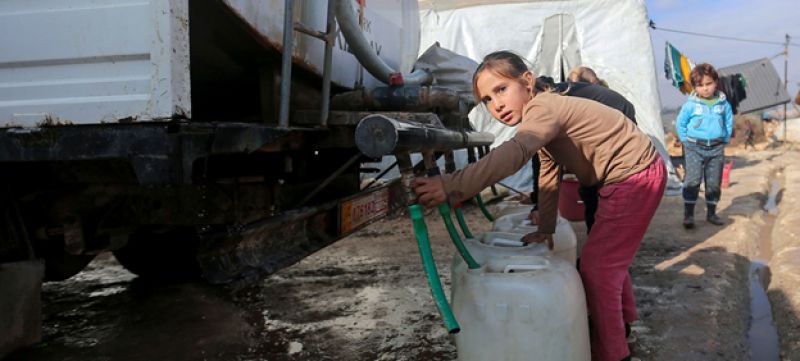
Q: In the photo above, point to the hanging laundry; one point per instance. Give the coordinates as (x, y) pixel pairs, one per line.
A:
(734, 87)
(677, 67)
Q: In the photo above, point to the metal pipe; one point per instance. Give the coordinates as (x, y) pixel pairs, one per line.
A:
(406, 98)
(407, 177)
(330, 37)
(286, 63)
(449, 161)
(785, 85)
(300, 27)
(378, 135)
(360, 47)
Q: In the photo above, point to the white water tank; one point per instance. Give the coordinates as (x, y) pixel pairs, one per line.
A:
(392, 28)
(565, 242)
(521, 308)
(107, 61)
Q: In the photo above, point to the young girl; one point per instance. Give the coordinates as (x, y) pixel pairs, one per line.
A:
(704, 125)
(600, 146)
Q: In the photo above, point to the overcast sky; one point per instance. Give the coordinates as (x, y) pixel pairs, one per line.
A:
(762, 20)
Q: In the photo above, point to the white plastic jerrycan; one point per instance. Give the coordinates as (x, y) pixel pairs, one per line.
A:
(510, 207)
(565, 242)
(495, 244)
(521, 308)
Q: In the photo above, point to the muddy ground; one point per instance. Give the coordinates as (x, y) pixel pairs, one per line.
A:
(366, 298)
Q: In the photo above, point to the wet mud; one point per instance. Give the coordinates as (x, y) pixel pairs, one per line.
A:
(366, 297)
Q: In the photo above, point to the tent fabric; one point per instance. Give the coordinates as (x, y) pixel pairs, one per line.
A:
(448, 69)
(610, 36)
(559, 51)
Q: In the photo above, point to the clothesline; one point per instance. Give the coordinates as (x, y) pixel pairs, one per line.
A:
(653, 26)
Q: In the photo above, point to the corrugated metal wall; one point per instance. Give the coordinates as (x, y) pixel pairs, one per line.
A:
(764, 86)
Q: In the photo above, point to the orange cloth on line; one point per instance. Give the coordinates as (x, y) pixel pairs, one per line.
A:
(686, 69)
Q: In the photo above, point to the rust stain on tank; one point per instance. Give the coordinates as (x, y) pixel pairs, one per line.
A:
(266, 41)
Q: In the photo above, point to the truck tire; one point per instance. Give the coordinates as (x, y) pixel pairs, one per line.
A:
(58, 267)
(58, 264)
(169, 256)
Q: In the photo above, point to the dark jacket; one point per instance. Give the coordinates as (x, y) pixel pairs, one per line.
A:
(599, 94)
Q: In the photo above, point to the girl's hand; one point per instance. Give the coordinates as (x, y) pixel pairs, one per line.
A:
(430, 191)
(537, 237)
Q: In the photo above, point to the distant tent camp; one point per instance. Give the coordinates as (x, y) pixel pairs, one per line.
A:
(610, 36)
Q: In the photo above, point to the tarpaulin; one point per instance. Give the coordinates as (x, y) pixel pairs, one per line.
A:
(610, 36)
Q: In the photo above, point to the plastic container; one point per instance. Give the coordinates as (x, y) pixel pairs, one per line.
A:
(726, 175)
(569, 201)
(521, 308)
(496, 244)
(509, 207)
(565, 242)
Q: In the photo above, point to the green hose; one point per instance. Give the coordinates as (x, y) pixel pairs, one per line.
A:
(483, 208)
(444, 210)
(461, 222)
(421, 233)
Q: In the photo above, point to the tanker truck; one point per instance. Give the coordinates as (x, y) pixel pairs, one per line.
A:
(211, 138)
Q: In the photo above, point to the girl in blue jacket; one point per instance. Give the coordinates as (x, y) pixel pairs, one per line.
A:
(704, 126)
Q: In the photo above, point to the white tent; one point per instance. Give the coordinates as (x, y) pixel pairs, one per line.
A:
(609, 36)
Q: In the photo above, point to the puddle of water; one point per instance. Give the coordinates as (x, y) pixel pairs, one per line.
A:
(772, 201)
(762, 334)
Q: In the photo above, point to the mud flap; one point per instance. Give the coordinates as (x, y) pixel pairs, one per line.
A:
(20, 305)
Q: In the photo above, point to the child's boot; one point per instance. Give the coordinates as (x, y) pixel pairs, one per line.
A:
(688, 215)
(711, 216)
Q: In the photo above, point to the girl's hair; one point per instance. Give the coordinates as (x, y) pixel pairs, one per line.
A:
(547, 84)
(701, 70)
(503, 63)
(585, 75)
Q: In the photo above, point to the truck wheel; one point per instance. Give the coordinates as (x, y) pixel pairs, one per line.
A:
(161, 256)
(59, 265)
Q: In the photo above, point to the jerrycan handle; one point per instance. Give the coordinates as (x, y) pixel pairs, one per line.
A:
(526, 267)
(506, 242)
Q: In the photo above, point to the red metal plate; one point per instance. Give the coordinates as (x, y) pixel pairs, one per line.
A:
(360, 210)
